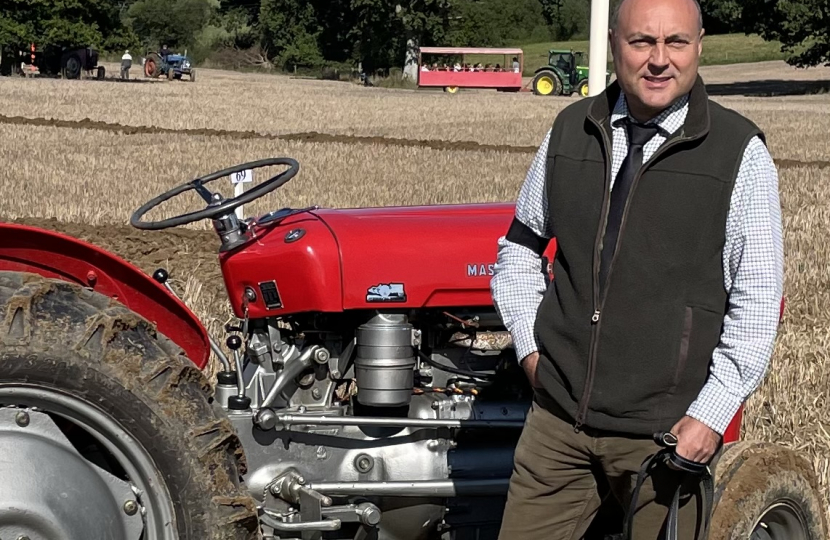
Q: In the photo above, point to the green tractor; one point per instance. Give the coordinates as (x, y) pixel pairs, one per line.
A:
(565, 74)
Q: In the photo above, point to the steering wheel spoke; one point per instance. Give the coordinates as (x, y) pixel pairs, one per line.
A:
(202, 191)
(217, 207)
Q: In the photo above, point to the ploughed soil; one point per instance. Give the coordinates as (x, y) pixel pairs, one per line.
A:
(311, 137)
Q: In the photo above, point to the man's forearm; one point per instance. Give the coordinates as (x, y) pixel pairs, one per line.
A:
(518, 286)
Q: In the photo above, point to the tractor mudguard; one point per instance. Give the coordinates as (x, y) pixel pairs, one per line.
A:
(54, 255)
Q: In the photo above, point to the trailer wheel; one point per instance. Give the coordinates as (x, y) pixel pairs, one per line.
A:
(94, 401)
(766, 492)
(451, 89)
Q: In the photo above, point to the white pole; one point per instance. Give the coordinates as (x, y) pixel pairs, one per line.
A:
(598, 47)
(238, 189)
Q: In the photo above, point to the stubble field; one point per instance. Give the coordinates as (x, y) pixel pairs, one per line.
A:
(81, 156)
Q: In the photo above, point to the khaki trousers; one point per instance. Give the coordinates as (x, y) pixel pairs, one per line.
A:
(560, 478)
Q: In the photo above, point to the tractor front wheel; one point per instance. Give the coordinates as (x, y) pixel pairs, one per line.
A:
(192, 75)
(106, 429)
(547, 83)
(766, 492)
(582, 89)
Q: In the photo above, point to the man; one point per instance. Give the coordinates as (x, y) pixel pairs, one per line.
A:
(664, 304)
(126, 64)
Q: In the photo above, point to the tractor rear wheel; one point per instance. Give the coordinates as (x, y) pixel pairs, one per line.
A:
(547, 83)
(73, 67)
(152, 66)
(106, 429)
(766, 492)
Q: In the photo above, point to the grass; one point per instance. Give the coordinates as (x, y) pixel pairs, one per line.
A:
(720, 49)
(90, 181)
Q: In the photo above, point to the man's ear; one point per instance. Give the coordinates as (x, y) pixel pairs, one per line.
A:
(611, 42)
(700, 42)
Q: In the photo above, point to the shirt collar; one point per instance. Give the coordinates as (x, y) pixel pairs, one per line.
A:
(669, 120)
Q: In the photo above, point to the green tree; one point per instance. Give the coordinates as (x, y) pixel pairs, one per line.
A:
(290, 30)
(172, 22)
(567, 18)
(58, 23)
(802, 27)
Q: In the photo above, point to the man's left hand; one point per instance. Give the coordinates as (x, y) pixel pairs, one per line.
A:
(695, 440)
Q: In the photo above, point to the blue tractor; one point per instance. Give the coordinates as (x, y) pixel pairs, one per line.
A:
(172, 66)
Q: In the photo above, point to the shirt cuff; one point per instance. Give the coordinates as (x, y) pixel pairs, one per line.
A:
(715, 406)
(524, 338)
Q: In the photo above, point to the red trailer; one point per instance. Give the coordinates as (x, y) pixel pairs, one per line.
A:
(452, 68)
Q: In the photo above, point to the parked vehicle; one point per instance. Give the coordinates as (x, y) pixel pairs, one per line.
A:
(453, 68)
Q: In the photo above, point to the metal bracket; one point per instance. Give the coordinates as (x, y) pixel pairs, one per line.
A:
(290, 487)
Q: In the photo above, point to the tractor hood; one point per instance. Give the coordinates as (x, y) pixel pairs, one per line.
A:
(418, 256)
(331, 260)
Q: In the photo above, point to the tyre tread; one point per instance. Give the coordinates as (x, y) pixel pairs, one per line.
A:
(107, 337)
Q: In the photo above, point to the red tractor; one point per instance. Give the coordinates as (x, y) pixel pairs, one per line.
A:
(368, 390)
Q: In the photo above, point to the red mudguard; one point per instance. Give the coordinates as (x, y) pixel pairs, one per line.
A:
(54, 255)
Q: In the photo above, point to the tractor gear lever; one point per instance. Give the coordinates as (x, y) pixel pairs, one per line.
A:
(161, 276)
(234, 343)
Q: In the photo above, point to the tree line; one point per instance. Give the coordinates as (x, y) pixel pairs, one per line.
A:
(375, 34)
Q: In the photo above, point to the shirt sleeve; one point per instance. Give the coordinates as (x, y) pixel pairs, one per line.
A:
(518, 282)
(753, 277)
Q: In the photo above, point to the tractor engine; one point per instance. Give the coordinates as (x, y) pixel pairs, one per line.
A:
(386, 425)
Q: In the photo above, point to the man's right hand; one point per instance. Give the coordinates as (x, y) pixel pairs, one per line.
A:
(529, 365)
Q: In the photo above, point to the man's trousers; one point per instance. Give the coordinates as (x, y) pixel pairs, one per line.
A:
(561, 477)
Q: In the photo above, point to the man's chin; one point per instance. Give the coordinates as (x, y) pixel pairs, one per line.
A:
(658, 100)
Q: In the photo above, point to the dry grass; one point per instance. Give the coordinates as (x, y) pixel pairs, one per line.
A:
(100, 178)
(62, 180)
(267, 103)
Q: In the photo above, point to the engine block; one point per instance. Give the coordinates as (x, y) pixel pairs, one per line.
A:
(364, 435)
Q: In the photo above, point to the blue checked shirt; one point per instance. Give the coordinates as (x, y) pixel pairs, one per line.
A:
(752, 268)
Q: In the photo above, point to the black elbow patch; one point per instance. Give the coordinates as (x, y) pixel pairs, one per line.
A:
(521, 234)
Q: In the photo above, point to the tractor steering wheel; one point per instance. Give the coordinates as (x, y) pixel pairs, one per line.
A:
(217, 206)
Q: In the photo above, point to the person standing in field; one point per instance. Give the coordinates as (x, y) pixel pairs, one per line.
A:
(126, 64)
(667, 282)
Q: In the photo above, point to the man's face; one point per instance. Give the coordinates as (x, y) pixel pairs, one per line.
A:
(656, 48)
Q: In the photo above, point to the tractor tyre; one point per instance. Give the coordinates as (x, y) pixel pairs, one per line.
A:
(192, 75)
(547, 83)
(106, 427)
(582, 89)
(171, 74)
(766, 492)
(101, 73)
(72, 70)
(152, 66)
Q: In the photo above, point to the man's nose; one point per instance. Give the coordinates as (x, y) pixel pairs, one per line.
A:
(659, 58)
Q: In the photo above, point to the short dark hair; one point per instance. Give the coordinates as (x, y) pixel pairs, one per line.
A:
(615, 15)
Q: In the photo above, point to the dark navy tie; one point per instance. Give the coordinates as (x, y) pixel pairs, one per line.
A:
(638, 136)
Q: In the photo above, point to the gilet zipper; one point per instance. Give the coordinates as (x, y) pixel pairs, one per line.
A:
(598, 303)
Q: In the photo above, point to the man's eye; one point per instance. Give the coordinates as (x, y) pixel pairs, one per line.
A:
(678, 44)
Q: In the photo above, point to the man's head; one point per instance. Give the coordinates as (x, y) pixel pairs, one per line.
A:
(656, 46)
